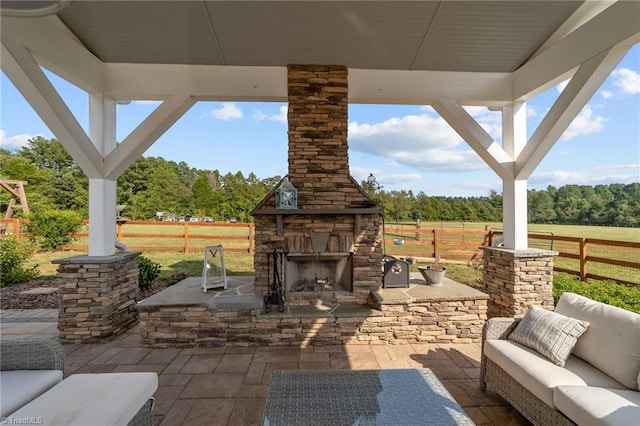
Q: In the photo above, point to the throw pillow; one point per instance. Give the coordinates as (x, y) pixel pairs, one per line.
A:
(550, 334)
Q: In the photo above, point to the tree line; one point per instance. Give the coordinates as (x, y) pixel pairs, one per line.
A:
(153, 184)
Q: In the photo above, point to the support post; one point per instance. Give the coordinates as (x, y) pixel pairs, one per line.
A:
(514, 191)
(517, 279)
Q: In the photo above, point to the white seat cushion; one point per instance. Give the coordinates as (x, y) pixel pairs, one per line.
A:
(18, 387)
(612, 341)
(539, 375)
(598, 406)
(93, 399)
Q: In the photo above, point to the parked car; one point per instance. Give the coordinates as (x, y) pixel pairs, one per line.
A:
(194, 219)
(233, 220)
(208, 219)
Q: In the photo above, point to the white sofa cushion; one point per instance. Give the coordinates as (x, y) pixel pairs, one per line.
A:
(551, 334)
(93, 399)
(598, 406)
(18, 387)
(612, 341)
(539, 375)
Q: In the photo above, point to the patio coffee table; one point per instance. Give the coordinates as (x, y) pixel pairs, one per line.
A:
(360, 397)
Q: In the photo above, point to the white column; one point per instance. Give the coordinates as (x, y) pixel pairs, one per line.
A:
(514, 192)
(102, 192)
(102, 217)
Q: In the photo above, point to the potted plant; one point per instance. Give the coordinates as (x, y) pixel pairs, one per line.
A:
(434, 273)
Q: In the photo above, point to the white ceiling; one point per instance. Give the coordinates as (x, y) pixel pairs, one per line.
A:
(470, 36)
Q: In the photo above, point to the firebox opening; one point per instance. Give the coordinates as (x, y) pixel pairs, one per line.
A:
(315, 272)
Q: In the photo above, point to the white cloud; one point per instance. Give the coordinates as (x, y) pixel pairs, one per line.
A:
(607, 94)
(280, 117)
(259, 115)
(228, 111)
(14, 142)
(561, 86)
(615, 173)
(585, 123)
(421, 142)
(627, 80)
(147, 102)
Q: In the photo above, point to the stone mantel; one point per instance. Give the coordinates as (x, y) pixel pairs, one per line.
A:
(356, 212)
(347, 211)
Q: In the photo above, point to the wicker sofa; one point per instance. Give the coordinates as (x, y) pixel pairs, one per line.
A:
(33, 389)
(598, 384)
(28, 368)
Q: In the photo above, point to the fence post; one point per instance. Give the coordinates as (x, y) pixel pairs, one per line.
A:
(252, 229)
(435, 243)
(119, 230)
(185, 249)
(583, 259)
(16, 228)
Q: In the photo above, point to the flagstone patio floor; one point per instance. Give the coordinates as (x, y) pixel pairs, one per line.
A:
(228, 386)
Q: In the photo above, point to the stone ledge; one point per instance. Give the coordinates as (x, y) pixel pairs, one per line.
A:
(529, 252)
(420, 293)
(81, 259)
(323, 311)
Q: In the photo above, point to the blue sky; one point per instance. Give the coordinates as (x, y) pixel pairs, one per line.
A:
(405, 147)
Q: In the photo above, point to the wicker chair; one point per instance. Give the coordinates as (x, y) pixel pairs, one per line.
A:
(44, 354)
(31, 354)
(494, 378)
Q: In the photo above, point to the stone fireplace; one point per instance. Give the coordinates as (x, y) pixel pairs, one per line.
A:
(332, 241)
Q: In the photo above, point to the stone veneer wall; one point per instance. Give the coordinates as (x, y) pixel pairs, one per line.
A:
(319, 169)
(452, 321)
(98, 296)
(517, 279)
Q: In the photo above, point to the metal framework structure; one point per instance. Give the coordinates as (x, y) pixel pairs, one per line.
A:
(447, 54)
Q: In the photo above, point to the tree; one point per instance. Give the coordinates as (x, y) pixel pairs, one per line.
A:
(203, 198)
(46, 154)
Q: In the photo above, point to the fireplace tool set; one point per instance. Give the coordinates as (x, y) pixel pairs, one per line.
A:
(275, 295)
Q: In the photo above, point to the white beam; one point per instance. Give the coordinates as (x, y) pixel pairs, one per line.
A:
(24, 72)
(269, 84)
(56, 50)
(573, 98)
(477, 138)
(146, 134)
(617, 25)
(426, 87)
(209, 83)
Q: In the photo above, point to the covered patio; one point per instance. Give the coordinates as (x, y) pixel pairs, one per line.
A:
(446, 54)
(220, 386)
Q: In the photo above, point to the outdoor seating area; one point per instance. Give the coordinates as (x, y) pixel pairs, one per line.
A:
(230, 385)
(578, 364)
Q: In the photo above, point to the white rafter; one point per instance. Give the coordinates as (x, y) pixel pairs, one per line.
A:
(143, 136)
(477, 138)
(617, 25)
(56, 50)
(33, 84)
(573, 98)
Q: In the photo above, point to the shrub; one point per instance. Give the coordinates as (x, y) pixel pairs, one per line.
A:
(14, 254)
(148, 272)
(53, 229)
(608, 292)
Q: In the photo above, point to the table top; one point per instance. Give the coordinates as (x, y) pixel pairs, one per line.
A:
(360, 397)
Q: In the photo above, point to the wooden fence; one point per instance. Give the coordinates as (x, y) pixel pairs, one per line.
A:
(585, 257)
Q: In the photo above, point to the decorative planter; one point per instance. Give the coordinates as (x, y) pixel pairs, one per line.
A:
(432, 277)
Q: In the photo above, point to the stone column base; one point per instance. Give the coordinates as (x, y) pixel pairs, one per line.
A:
(98, 296)
(517, 279)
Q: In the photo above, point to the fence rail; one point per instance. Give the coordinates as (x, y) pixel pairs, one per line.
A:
(595, 258)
